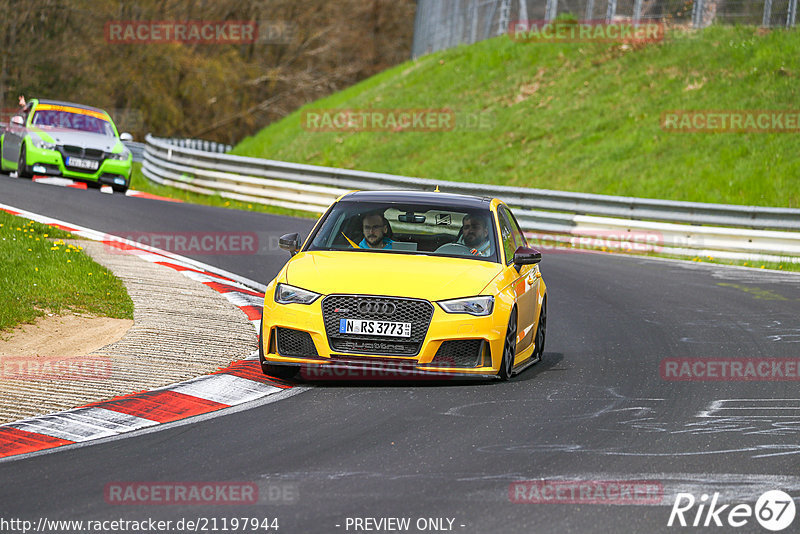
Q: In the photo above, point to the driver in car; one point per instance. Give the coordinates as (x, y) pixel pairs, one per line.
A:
(475, 235)
(376, 232)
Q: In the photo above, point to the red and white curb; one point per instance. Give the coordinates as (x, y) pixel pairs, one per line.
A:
(240, 382)
(66, 182)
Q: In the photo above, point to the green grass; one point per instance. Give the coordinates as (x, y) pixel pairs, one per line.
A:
(140, 183)
(578, 117)
(41, 273)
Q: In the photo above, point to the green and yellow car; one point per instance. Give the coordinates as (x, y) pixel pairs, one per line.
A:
(52, 138)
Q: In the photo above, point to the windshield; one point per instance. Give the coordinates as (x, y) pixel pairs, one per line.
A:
(85, 120)
(408, 229)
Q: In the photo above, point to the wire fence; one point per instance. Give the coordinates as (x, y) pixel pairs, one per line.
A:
(442, 24)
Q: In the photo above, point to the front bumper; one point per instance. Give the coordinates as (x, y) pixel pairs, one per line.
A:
(361, 370)
(316, 359)
(51, 163)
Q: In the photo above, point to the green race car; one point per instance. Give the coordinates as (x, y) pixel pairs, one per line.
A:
(52, 138)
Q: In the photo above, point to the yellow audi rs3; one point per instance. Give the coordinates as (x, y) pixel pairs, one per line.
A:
(405, 285)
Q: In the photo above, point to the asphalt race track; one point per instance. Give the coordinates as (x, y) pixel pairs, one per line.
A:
(596, 409)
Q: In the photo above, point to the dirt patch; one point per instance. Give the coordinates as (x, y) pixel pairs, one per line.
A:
(63, 336)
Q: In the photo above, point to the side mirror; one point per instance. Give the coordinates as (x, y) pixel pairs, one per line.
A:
(290, 242)
(125, 136)
(16, 119)
(526, 256)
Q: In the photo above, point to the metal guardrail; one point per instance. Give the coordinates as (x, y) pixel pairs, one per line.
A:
(200, 144)
(137, 149)
(682, 226)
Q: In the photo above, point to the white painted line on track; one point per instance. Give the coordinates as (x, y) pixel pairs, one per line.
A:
(224, 389)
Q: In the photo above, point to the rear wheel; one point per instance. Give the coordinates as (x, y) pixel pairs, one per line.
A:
(22, 165)
(509, 348)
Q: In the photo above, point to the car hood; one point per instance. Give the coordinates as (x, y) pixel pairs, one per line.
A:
(62, 136)
(408, 275)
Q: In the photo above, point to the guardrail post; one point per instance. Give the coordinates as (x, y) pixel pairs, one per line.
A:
(504, 20)
(767, 19)
(697, 13)
(551, 10)
(611, 12)
(791, 15)
(637, 12)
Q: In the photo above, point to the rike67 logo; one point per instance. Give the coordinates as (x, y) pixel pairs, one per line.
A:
(774, 510)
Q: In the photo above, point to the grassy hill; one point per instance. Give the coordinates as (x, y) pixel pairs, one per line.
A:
(577, 117)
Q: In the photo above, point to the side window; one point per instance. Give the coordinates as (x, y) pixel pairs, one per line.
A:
(507, 236)
(519, 237)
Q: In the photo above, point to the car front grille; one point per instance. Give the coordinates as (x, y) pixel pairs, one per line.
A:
(71, 150)
(80, 152)
(295, 343)
(459, 353)
(415, 311)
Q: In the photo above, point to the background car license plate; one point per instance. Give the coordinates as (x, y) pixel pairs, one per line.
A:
(374, 328)
(82, 163)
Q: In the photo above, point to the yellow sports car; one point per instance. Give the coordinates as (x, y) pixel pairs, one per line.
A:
(396, 284)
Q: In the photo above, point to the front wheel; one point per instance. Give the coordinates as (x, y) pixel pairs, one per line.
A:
(509, 348)
(22, 164)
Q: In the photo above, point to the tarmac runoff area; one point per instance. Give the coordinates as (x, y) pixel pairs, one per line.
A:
(182, 329)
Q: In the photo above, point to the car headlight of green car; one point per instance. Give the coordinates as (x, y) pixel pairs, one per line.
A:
(38, 142)
(122, 156)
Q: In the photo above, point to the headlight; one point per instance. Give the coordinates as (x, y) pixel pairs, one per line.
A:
(286, 294)
(38, 142)
(122, 156)
(472, 305)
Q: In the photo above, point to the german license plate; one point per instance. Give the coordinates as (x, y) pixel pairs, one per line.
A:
(81, 163)
(374, 328)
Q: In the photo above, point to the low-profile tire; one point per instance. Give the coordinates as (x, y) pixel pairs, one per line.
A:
(2, 167)
(541, 333)
(509, 347)
(120, 188)
(275, 371)
(22, 167)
